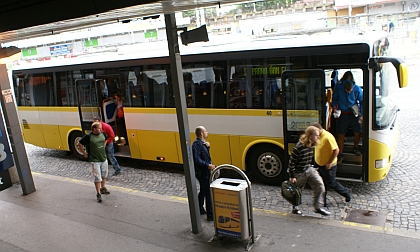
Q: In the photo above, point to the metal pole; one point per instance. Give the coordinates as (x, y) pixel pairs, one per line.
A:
(182, 116)
(13, 127)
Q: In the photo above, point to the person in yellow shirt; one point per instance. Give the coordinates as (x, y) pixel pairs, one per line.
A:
(326, 152)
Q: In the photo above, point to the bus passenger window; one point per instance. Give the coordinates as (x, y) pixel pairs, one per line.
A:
(42, 90)
(202, 94)
(219, 95)
(238, 89)
(219, 88)
(189, 89)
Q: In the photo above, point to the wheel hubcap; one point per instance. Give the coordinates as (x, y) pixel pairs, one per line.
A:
(269, 165)
(76, 146)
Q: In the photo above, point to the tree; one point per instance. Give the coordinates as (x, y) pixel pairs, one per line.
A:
(264, 5)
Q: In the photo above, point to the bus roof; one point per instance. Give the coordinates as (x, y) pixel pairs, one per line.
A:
(230, 43)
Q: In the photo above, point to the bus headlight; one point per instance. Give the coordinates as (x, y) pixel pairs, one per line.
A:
(381, 163)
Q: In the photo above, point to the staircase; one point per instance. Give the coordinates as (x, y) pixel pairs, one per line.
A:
(351, 168)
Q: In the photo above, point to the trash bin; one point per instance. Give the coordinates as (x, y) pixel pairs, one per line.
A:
(230, 206)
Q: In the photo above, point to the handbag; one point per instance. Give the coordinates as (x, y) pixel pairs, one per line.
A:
(291, 192)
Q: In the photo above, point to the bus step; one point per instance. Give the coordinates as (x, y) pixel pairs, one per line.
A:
(352, 158)
(350, 169)
(348, 148)
(351, 178)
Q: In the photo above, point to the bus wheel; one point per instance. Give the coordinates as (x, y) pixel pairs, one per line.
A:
(265, 163)
(74, 139)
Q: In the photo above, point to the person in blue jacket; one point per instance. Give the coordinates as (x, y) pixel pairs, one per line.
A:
(203, 164)
(348, 97)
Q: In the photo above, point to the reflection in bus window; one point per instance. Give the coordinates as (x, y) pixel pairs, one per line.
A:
(65, 86)
(256, 83)
(219, 89)
(36, 90)
(147, 88)
(199, 82)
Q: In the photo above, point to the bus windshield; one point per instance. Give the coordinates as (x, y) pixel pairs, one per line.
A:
(384, 105)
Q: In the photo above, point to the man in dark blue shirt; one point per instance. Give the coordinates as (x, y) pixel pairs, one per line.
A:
(203, 164)
(345, 96)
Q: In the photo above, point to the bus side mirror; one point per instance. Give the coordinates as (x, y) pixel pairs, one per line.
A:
(403, 70)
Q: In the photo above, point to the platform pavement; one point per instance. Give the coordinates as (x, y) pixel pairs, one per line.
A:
(63, 215)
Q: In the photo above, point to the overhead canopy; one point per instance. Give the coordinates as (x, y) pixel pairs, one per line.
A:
(34, 18)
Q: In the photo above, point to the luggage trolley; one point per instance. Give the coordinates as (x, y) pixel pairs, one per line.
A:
(232, 206)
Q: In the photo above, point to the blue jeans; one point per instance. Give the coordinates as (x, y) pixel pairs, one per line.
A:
(205, 194)
(328, 176)
(110, 154)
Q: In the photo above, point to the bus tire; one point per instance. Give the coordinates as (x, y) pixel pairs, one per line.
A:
(265, 163)
(74, 148)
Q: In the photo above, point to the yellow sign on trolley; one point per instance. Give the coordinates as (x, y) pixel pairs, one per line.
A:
(230, 207)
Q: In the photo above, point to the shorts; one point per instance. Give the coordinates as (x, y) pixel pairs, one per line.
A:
(100, 170)
(348, 120)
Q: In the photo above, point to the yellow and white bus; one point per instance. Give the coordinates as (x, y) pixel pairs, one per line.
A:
(254, 97)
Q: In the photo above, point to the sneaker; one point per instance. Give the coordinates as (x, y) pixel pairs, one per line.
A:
(116, 173)
(348, 197)
(357, 151)
(296, 211)
(105, 191)
(322, 212)
(99, 197)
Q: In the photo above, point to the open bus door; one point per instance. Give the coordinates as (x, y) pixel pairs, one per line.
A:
(91, 103)
(89, 106)
(304, 102)
(88, 102)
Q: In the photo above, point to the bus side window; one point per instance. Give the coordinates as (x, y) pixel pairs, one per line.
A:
(135, 94)
(159, 93)
(302, 99)
(189, 89)
(237, 97)
(202, 94)
(219, 87)
(40, 90)
(219, 95)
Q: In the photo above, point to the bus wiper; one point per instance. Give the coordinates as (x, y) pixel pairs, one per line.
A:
(395, 111)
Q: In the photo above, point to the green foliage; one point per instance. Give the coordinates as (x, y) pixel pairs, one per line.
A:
(245, 7)
(264, 5)
(188, 13)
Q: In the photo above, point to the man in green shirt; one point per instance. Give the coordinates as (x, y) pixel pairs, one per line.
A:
(94, 143)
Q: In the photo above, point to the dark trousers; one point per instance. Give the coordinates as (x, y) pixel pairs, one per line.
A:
(205, 194)
(328, 176)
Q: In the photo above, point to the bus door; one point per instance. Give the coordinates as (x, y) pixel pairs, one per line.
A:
(304, 102)
(88, 102)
